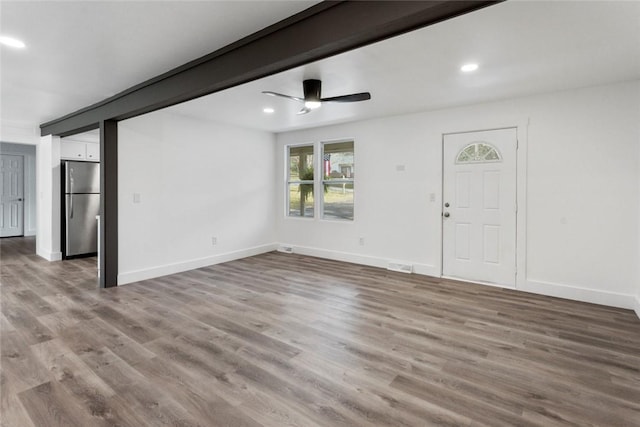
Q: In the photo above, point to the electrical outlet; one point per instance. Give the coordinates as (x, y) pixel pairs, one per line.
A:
(214, 241)
(361, 241)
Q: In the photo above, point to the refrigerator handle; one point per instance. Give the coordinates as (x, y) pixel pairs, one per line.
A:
(70, 192)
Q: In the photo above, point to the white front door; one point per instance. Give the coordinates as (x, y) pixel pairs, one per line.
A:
(479, 206)
(11, 195)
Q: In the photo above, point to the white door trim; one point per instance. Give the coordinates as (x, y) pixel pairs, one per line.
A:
(522, 131)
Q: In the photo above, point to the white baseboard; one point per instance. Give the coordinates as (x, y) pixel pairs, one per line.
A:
(426, 270)
(423, 269)
(178, 267)
(49, 256)
(534, 286)
(575, 293)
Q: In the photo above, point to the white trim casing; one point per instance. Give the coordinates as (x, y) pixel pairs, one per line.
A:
(637, 306)
(422, 269)
(521, 197)
(50, 256)
(287, 173)
(521, 124)
(29, 183)
(561, 290)
(179, 267)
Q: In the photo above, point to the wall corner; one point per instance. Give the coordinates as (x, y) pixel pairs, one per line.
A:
(48, 197)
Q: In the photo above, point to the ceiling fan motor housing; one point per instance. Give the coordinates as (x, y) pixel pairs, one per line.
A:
(312, 89)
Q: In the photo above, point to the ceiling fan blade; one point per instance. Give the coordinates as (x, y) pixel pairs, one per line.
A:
(304, 110)
(295, 98)
(355, 97)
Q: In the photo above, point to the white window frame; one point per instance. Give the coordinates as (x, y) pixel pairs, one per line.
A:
(319, 189)
(318, 181)
(288, 180)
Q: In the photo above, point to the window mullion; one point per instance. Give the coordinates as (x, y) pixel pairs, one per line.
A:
(319, 176)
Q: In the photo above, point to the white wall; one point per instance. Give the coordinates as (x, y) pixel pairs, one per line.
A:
(48, 198)
(637, 307)
(582, 195)
(19, 133)
(29, 154)
(196, 180)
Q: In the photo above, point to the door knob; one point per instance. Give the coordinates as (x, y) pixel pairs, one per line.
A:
(19, 200)
(446, 214)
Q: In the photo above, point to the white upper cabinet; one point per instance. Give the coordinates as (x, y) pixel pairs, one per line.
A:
(93, 152)
(74, 150)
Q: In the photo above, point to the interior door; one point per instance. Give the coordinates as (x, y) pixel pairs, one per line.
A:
(11, 195)
(479, 206)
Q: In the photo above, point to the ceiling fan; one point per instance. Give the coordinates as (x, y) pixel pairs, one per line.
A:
(313, 98)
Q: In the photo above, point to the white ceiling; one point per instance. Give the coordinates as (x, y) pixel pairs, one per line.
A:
(522, 47)
(81, 52)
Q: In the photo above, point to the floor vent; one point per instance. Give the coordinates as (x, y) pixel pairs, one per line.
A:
(402, 268)
(286, 249)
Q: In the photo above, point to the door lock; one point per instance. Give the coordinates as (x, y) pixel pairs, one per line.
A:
(446, 205)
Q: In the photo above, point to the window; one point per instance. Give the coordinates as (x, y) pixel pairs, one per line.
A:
(478, 152)
(332, 187)
(337, 180)
(300, 181)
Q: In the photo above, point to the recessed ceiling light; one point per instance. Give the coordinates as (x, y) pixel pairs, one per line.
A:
(11, 42)
(268, 110)
(467, 68)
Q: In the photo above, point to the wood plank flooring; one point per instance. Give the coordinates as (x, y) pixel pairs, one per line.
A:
(287, 340)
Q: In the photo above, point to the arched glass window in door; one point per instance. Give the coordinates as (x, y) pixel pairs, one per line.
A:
(479, 152)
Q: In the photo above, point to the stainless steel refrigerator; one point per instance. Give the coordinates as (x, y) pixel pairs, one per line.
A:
(82, 204)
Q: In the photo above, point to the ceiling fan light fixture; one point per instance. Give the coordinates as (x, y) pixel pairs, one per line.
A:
(312, 105)
(313, 96)
(268, 110)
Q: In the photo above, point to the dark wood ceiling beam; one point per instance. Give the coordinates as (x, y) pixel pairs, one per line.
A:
(324, 30)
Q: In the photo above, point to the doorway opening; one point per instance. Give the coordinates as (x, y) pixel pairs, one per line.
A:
(12, 197)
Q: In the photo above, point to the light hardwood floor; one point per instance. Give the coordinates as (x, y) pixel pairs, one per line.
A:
(288, 340)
